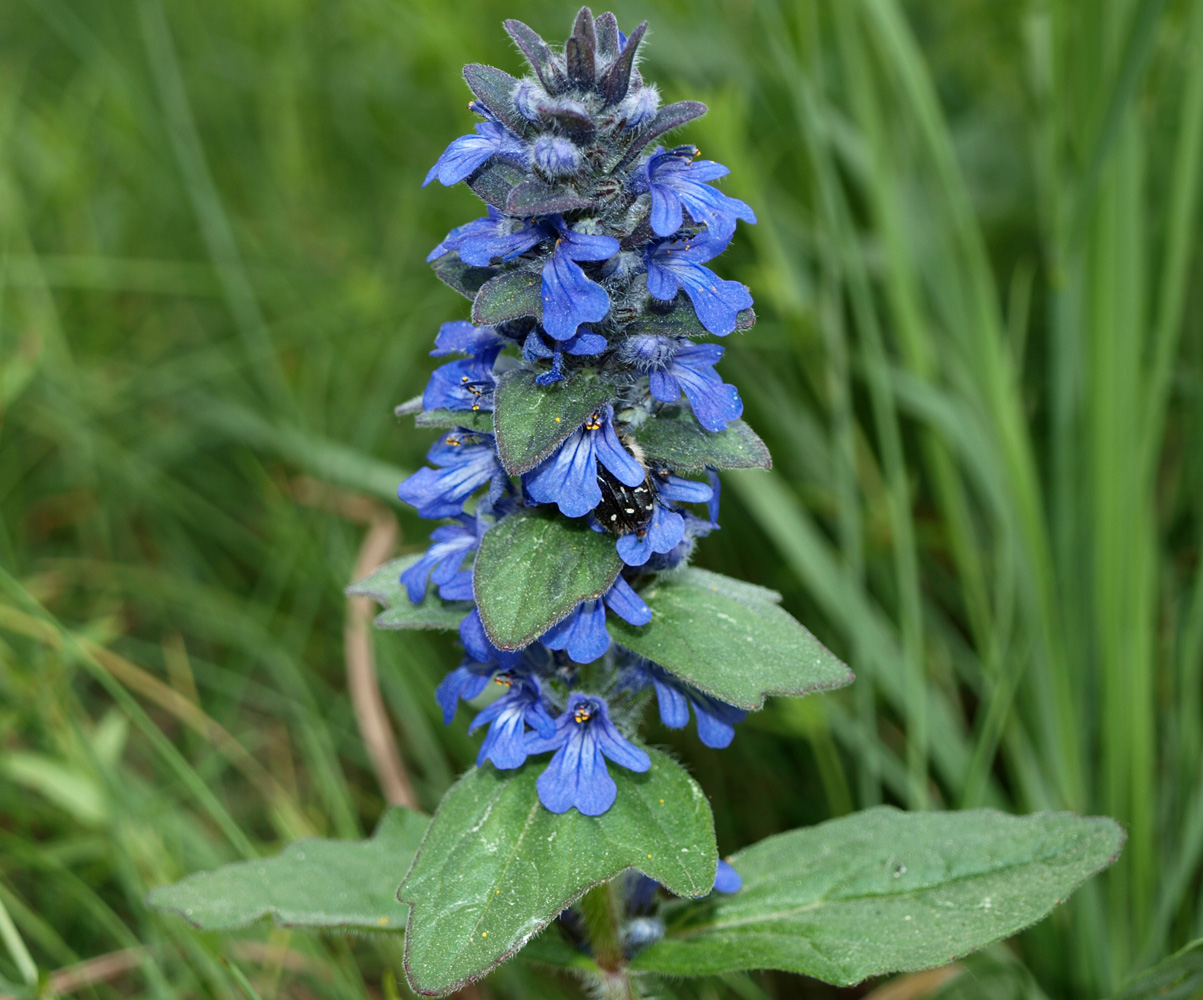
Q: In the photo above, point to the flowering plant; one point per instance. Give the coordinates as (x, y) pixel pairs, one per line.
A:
(583, 424)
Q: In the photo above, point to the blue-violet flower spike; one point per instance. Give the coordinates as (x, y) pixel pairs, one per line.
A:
(466, 459)
(569, 297)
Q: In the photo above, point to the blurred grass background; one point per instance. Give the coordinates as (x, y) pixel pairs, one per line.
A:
(978, 365)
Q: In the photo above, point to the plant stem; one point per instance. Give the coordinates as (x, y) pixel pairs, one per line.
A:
(600, 909)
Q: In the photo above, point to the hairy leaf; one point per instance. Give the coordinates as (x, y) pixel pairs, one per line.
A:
(496, 867)
(530, 420)
(1179, 977)
(726, 639)
(531, 571)
(667, 118)
(494, 88)
(884, 891)
(385, 585)
(464, 278)
(472, 420)
(494, 181)
(675, 438)
(511, 295)
(534, 197)
(311, 883)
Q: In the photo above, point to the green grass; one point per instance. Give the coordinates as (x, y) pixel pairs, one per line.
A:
(979, 365)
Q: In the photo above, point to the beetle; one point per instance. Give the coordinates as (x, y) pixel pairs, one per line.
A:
(624, 509)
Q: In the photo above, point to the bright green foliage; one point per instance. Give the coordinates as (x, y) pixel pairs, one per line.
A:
(1179, 977)
(532, 571)
(311, 883)
(385, 585)
(496, 867)
(730, 639)
(676, 438)
(885, 891)
(531, 419)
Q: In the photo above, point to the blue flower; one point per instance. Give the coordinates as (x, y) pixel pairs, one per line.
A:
(716, 719)
(477, 644)
(727, 879)
(667, 528)
(584, 344)
(461, 337)
(442, 563)
(495, 237)
(679, 264)
(569, 477)
(466, 681)
(677, 364)
(676, 184)
(466, 460)
(569, 297)
(662, 534)
(462, 385)
(583, 634)
(577, 775)
(695, 528)
(507, 718)
(468, 152)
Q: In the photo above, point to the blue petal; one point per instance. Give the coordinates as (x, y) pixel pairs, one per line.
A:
(666, 529)
(664, 386)
(673, 705)
(628, 605)
(461, 337)
(617, 747)
(596, 790)
(582, 634)
(716, 720)
(681, 490)
(504, 743)
(727, 879)
(614, 456)
(465, 681)
(478, 646)
(569, 297)
(569, 477)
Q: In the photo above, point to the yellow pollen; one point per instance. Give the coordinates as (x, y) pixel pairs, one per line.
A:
(382, 921)
(484, 933)
(661, 802)
(649, 855)
(558, 419)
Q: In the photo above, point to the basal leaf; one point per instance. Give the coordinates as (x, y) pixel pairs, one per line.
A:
(677, 439)
(1179, 977)
(510, 295)
(464, 278)
(530, 420)
(385, 585)
(730, 639)
(473, 420)
(311, 883)
(531, 571)
(496, 867)
(884, 891)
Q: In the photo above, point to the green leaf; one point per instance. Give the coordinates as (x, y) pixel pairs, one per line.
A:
(531, 571)
(496, 867)
(464, 278)
(530, 420)
(675, 438)
(1179, 977)
(473, 420)
(311, 883)
(510, 295)
(730, 639)
(534, 197)
(385, 585)
(494, 181)
(884, 891)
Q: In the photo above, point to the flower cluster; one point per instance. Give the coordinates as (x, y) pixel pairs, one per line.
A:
(615, 233)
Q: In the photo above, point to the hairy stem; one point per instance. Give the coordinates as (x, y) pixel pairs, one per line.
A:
(600, 909)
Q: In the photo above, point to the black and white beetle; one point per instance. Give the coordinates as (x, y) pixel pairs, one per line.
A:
(623, 509)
